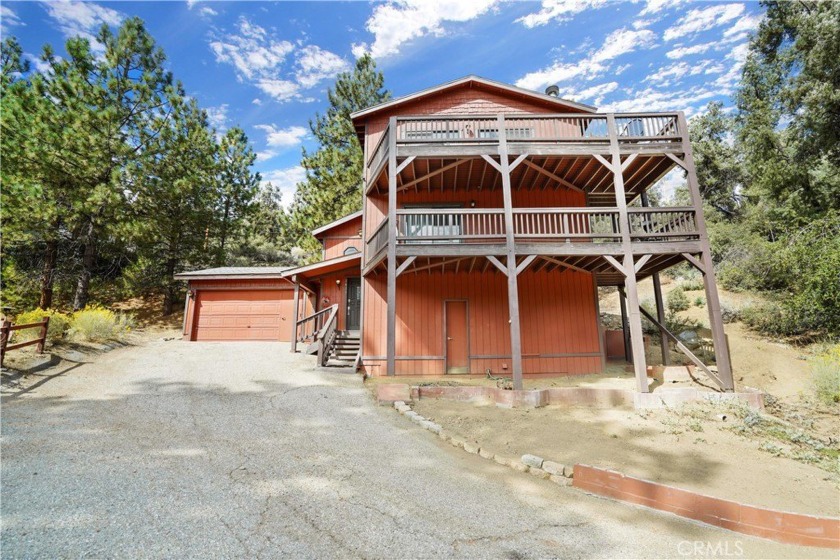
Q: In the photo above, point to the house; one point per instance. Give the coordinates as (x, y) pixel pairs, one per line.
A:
(491, 215)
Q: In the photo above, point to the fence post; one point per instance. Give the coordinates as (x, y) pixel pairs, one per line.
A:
(43, 337)
(5, 327)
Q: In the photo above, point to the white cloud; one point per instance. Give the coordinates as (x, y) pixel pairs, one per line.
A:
(218, 117)
(657, 100)
(315, 64)
(701, 19)
(257, 101)
(82, 19)
(259, 57)
(38, 64)
(623, 41)
(8, 18)
(286, 180)
(207, 11)
(667, 74)
(738, 55)
(401, 21)
(282, 137)
(681, 52)
(743, 27)
(654, 7)
(619, 42)
(559, 11)
(253, 52)
(593, 94)
(560, 72)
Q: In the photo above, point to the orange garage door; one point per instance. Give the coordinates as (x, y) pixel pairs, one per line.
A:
(243, 315)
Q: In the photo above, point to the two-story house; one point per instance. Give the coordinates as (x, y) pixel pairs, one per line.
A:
(491, 215)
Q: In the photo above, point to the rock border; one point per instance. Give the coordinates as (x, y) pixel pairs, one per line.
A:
(557, 473)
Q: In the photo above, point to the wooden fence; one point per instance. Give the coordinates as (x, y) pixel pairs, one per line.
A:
(6, 328)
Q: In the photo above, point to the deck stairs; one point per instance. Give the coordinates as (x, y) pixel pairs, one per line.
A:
(345, 349)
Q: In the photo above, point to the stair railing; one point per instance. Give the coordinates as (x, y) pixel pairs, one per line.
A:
(326, 336)
(307, 328)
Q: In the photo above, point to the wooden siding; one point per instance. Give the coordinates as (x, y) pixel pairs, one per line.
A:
(558, 317)
(339, 238)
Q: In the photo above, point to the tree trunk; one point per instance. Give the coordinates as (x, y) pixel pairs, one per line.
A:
(170, 293)
(223, 234)
(88, 262)
(48, 275)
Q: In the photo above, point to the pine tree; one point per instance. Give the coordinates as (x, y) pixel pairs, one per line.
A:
(333, 184)
(237, 184)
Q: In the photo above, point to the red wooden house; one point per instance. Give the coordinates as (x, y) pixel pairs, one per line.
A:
(491, 215)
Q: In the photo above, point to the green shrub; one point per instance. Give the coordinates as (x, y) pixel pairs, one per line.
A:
(825, 375)
(699, 302)
(677, 300)
(692, 285)
(98, 324)
(59, 323)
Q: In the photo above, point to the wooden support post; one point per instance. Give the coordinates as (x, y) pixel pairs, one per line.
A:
(513, 288)
(634, 315)
(5, 330)
(391, 293)
(43, 335)
(296, 314)
(724, 365)
(625, 329)
(660, 306)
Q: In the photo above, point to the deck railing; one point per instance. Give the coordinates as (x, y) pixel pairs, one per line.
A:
(663, 224)
(441, 226)
(380, 152)
(595, 225)
(378, 239)
(574, 127)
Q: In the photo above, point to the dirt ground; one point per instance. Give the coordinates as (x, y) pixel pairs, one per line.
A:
(703, 455)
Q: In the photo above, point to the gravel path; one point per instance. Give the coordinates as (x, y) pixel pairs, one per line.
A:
(220, 450)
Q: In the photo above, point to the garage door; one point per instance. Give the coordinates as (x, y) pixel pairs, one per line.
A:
(243, 315)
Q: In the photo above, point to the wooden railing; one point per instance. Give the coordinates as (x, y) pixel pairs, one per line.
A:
(380, 152)
(453, 225)
(378, 239)
(319, 330)
(6, 329)
(663, 224)
(574, 127)
(592, 224)
(419, 226)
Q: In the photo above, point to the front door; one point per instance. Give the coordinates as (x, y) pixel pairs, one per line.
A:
(354, 304)
(457, 337)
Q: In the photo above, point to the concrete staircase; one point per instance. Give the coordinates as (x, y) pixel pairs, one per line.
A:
(346, 349)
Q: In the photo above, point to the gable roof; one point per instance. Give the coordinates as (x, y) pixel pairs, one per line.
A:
(335, 223)
(477, 81)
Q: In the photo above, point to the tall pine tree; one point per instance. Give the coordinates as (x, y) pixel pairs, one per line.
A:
(333, 184)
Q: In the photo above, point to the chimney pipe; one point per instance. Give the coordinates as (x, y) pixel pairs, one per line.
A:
(552, 91)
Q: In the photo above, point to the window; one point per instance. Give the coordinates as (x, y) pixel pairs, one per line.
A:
(350, 251)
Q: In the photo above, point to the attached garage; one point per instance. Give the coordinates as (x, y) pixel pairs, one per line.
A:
(238, 303)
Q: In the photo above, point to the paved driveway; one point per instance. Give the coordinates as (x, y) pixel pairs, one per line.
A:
(178, 449)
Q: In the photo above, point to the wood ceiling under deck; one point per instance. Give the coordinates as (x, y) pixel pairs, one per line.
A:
(537, 172)
(604, 272)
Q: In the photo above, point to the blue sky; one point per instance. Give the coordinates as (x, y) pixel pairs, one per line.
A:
(266, 66)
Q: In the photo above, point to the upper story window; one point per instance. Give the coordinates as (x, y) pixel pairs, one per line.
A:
(432, 134)
(518, 133)
(350, 251)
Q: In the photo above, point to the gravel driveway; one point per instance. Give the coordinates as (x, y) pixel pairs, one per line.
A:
(176, 449)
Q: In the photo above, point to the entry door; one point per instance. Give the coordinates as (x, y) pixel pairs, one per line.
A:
(354, 304)
(457, 337)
